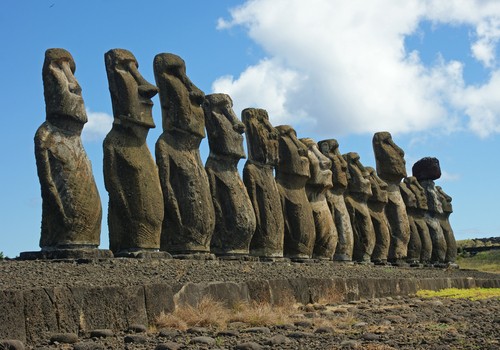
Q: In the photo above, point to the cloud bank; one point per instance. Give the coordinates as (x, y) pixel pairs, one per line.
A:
(343, 65)
(97, 127)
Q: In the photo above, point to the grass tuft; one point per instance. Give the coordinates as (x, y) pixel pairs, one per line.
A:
(455, 293)
(488, 261)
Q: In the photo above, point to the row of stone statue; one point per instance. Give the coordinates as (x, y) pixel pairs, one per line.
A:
(297, 199)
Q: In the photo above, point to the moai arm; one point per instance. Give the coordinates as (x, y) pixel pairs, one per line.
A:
(252, 188)
(112, 178)
(163, 163)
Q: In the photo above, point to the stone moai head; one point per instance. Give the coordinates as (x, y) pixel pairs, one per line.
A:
(181, 101)
(358, 175)
(330, 148)
(418, 191)
(63, 95)
(445, 200)
(378, 186)
(225, 131)
(293, 158)
(262, 137)
(391, 165)
(427, 169)
(319, 165)
(130, 93)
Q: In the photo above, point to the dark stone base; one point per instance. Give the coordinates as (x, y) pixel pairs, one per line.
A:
(195, 256)
(381, 263)
(364, 263)
(274, 259)
(303, 260)
(67, 254)
(399, 263)
(343, 262)
(238, 257)
(440, 265)
(144, 254)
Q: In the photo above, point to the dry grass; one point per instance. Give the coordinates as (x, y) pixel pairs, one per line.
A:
(455, 293)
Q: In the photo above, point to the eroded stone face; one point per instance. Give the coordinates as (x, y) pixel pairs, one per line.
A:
(234, 215)
(358, 176)
(292, 174)
(391, 165)
(189, 212)
(71, 206)
(262, 144)
(131, 177)
(330, 148)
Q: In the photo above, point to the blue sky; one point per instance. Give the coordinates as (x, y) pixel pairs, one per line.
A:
(426, 71)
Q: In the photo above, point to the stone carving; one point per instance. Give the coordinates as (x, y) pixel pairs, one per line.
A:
(376, 203)
(358, 192)
(71, 207)
(292, 173)
(318, 184)
(336, 202)
(451, 244)
(135, 210)
(189, 213)
(417, 213)
(426, 180)
(262, 145)
(391, 168)
(415, 244)
(234, 215)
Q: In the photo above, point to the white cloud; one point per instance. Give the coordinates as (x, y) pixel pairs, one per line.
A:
(98, 125)
(447, 177)
(343, 65)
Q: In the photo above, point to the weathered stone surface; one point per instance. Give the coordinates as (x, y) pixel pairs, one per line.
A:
(391, 167)
(415, 243)
(65, 338)
(316, 187)
(336, 202)
(258, 177)
(71, 206)
(159, 298)
(356, 196)
(427, 169)
(135, 211)
(41, 318)
(234, 214)
(13, 325)
(11, 344)
(418, 215)
(189, 212)
(292, 173)
(376, 203)
(451, 244)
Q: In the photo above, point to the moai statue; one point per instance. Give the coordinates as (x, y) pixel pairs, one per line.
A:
(292, 174)
(417, 212)
(234, 215)
(336, 202)
(262, 145)
(135, 210)
(376, 203)
(71, 207)
(318, 184)
(426, 170)
(391, 168)
(356, 197)
(451, 244)
(189, 212)
(415, 244)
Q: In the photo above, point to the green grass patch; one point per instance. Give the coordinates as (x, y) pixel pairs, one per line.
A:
(488, 261)
(455, 293)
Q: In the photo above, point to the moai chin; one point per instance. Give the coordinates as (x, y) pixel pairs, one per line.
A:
(451, 244)
(71, 206)
(336, 202)
(391, 168)
(317, 186)
(234, 215)
(415, 243)
(292, 174)
(131, 177)
(428, 170)
(189, 212)
(358, 192)
(376, 203)
(262, 145)
(417, 209)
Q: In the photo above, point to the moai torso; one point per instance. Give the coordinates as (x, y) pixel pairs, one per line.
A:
(234, 215)
(336, 202)
(317, 186)
(135, 210)
(292, 174)
(376, 203)
(415, 244)
(451, 244)
(262, 145)
(356, 197)
(189, 212)
(426, 170)
(71, 206)
(391, 168)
